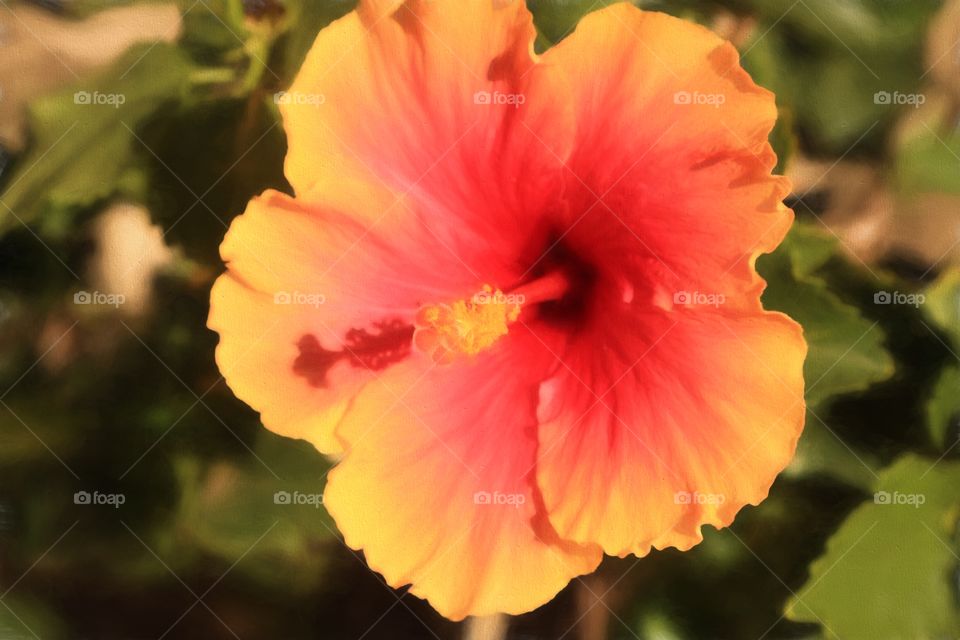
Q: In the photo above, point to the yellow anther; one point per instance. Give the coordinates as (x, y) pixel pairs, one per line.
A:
(466, 326)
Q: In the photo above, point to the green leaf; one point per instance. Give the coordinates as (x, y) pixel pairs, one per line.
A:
(267, 510)
(846, 351)
(556, 20)
(213, 26)
(943, 407)
(84, 144)
(888, 569)
(763, 59)
(942, 304)
(783, 140)
(810, 248)
(858, 26)
(835, 100)
(929, 162)
(826, 60)
(821, 452)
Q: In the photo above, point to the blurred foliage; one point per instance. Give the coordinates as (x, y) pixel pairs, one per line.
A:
(81, 155)
(239, 499)
(95, 400)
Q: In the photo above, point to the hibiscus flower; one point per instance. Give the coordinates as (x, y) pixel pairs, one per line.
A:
(514, 295)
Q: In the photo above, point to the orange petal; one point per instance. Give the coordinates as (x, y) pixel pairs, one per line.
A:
(312, 306)
(690, 422)
(423, 100)
(436, 487)
(671, 148)
(256, 353)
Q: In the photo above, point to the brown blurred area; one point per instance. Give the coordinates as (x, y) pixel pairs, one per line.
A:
(874, 221)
